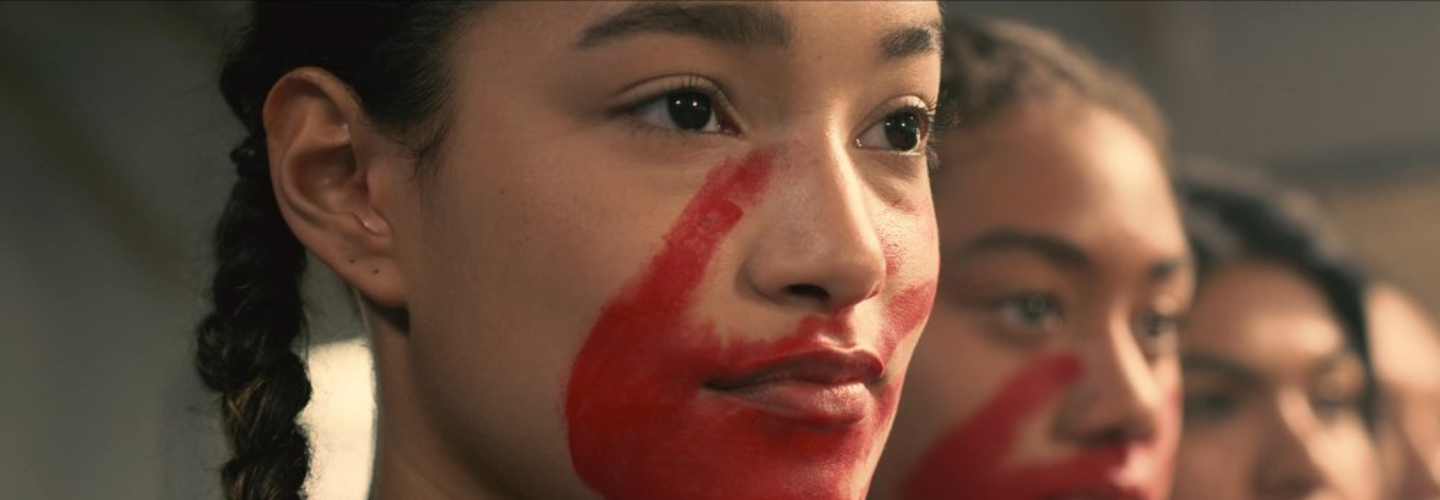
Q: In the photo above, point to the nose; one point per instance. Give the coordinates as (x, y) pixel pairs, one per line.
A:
(1289, 467)
(1120, 399)
(820, 251)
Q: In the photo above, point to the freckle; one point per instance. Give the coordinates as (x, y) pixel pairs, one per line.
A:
(374, 271)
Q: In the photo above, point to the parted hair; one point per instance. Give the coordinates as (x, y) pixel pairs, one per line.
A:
(391, 56)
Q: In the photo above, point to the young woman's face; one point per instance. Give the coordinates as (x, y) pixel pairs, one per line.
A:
(668, 251)
(1048, 369)
(1407, 364)
(1272, 394)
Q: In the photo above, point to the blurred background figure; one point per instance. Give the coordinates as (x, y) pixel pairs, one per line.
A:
(1049, 367)
(1407, 354)
(1279, 398)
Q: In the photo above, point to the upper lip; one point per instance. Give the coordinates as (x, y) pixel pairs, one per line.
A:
(821, 366)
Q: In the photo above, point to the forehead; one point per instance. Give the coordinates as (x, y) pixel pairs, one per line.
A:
(1264, 316)
(1406, 343)
(1073, 171)
(549, 26)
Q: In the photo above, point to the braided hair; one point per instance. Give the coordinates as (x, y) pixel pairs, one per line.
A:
(391, 55)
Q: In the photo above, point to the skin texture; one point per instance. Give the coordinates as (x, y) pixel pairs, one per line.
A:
(1271, 394)
(1078, 398)
(1407, 353)
(569, 242)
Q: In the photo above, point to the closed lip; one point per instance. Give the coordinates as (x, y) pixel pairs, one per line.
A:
(821, 387)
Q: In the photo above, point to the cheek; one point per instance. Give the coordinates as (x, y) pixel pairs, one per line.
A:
(1353, 462)
(909, 241)
(1218, 461)
(1213, 470)
(627, 401)
(1169, 417)
(968, 457)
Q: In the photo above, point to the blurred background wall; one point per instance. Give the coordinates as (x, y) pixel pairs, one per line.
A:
(114, 164)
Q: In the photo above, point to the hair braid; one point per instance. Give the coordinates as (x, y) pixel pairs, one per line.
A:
(246, 344)
(391, 55)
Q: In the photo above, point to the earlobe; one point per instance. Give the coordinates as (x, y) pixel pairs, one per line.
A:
(325, 186)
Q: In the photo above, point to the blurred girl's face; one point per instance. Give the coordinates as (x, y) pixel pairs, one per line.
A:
(668, 251)
(1049, 366)
(1272, 394)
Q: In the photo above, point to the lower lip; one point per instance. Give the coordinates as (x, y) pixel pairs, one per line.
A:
(807, 403)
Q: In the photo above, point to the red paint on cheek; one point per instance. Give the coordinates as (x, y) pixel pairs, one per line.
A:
(894, 255)
(965, 461)
(970, 461)
(643, 425)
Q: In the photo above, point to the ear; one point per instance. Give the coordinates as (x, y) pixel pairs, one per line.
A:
(327, 165)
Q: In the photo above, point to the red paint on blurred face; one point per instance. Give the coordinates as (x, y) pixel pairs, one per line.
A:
(969, 461)
(645, 420)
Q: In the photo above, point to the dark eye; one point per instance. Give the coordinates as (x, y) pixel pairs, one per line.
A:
(1329, 406)
(687, 110)
(1158, 325)
(1156, 332)
(1034, 312)
(901, 131)
(1202, 408)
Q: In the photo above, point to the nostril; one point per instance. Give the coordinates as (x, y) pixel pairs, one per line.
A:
(808, 291)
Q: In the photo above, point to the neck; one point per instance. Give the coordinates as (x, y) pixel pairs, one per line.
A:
(415, 459)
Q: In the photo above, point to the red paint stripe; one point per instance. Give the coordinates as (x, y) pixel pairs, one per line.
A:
(641, 426)
(969, 462)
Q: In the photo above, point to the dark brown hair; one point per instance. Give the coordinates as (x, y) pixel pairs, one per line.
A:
(992, 66)
(391, 55)
(1234, 215)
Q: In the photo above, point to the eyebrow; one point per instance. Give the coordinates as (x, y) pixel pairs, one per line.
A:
(1219, 365)
(733, 24)
(1336, 359)
(1237, 371)
(911, 41)
(1169, 268)
(1055, 250)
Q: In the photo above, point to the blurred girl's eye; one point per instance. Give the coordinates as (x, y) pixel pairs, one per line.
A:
(900, 131)
(1329, 408)
(1032, 313)
(1334, 399)
(1158, 325)
(1156, 331)
(1201, 408)
(690, 110)
(1339, 392)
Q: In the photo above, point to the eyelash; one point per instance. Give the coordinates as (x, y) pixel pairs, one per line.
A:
(724, 113)
(927, 115)
(1012, 308)
(690, 83)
